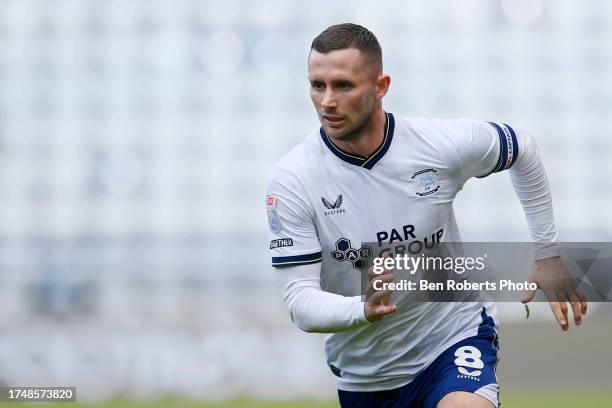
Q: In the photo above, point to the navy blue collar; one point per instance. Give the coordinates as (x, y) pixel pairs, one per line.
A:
(369, 162)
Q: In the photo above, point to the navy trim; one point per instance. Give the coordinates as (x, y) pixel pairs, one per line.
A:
(357, 161)
(371, 161)
(503, 155)
(487, 327)
(306, 259)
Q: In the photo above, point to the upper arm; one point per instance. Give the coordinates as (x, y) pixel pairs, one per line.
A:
(485, 148)
(292, 232)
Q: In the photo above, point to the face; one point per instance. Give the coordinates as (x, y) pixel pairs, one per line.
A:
(344, 90)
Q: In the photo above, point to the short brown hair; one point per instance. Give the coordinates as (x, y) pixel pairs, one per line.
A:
(349, 35)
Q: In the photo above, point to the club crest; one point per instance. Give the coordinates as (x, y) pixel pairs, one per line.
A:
(426, 182)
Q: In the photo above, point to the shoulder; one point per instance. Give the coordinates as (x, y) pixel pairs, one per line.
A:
(440, 134)
(298, 164)
(435, 125)
(436, 128)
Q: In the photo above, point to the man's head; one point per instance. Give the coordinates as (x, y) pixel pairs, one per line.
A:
(346, 79)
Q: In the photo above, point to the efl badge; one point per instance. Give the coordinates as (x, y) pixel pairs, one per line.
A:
(426, 182)
(273, 220)
(270, 202)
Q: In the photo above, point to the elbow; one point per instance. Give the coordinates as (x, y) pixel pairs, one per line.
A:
(303, 324)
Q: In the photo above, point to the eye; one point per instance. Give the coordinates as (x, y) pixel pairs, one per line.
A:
(344, 86)
(317, 85)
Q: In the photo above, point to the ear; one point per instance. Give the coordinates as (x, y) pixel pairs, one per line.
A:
(382, 85)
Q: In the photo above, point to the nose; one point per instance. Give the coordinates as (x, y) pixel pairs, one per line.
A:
(329, 100)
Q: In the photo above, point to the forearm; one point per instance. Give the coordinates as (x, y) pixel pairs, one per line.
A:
(314, 310)
(533, 190)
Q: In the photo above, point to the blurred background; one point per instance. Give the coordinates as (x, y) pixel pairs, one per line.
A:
(135, 142)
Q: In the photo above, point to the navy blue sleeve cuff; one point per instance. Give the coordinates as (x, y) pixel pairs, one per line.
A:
(280, 261)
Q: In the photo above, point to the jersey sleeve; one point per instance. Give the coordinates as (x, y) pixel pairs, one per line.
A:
(293, 236)
(486, 148)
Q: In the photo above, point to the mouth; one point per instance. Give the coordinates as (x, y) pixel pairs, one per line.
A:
(333, 121)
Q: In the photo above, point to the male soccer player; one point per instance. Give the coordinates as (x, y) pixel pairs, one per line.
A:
(368, 175)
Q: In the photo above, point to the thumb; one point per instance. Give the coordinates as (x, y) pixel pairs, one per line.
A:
(387, 309)
(376, 312)
(529, 294)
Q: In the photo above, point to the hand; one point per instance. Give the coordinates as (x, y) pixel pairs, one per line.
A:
(377, 301)
(554, 280)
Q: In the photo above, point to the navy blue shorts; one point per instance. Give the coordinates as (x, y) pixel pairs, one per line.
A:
(468, 365)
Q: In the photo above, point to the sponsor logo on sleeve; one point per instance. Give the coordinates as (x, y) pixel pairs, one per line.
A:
(273, 220)
(271, 201)
(281, 242)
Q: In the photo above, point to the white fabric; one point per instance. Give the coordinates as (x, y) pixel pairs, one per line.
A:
(314, 310)
(319, 201)
(531, 186)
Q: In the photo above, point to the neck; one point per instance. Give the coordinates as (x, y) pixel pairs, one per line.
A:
(369, 139)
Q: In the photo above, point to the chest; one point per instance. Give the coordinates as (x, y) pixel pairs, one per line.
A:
(389, 206)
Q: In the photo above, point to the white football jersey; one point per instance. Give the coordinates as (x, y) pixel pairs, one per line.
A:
(322, 203)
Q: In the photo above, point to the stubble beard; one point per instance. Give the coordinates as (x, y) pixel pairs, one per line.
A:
(354, 133)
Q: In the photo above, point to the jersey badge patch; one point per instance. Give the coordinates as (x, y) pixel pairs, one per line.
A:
(273, 220)
(270, 202)
(280, 243)
(426, 182)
